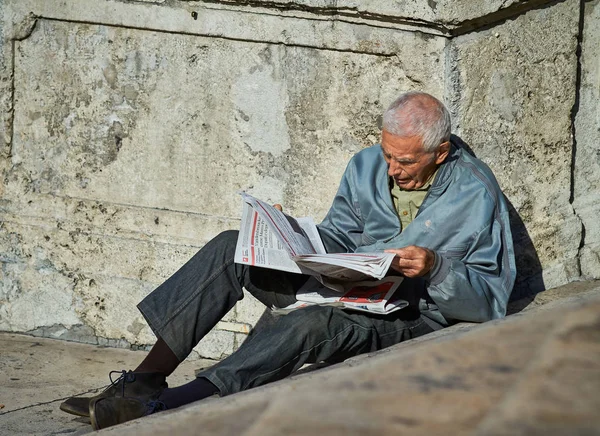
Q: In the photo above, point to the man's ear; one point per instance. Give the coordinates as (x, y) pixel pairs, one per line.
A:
(442, 152)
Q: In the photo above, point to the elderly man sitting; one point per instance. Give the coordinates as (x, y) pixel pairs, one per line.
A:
(417, 195)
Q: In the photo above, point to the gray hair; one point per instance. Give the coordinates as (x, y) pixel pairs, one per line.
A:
(419, 114)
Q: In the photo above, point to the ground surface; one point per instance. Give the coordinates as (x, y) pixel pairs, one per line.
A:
(37, 374)
(536, 372)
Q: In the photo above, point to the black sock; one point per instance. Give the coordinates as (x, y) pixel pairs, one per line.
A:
(195, 390)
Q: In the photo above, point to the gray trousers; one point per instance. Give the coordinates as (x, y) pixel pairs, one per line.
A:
(189, 304)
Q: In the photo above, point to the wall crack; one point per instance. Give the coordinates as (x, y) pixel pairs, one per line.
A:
(574, 112)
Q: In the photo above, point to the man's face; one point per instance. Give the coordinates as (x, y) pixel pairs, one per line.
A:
(409, 165)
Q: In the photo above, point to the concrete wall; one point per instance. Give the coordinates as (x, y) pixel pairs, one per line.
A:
(129, 126)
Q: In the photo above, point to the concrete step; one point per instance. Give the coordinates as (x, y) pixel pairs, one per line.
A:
(537, 371)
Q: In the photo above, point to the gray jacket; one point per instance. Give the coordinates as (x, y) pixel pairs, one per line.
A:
(463, 219)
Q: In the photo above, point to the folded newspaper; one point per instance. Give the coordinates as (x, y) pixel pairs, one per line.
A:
(272, 239)
(367, 296)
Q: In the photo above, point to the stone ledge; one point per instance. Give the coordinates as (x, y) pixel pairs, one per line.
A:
(533, 373)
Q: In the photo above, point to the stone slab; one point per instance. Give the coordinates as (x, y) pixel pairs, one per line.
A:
(533, 374)
(320, 30)
(127, 88)
(445, 15)
(116, 176)
(512, 88)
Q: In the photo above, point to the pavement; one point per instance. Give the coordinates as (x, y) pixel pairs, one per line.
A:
(535, 372)
(37, 374)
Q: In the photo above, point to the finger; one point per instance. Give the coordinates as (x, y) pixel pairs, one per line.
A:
(412, 251)
(409, 251)
(409, 263)
(406, 260)
(278, 207)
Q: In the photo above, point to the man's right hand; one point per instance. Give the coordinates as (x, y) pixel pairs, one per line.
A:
(278, 206)
(412, 261)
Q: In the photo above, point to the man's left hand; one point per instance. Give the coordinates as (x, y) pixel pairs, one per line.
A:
(412, 261)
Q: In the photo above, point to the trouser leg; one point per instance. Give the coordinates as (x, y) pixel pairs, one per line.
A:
(187, 306)
(313, 334)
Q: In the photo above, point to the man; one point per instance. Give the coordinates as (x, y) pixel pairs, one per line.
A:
(417, 195)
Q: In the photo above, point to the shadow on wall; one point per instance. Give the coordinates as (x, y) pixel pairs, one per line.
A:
(529, 281)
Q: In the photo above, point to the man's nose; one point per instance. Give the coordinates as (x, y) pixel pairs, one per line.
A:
(394, 169)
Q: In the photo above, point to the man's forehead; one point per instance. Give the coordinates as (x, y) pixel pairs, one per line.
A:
(399, 146)
(402, 157)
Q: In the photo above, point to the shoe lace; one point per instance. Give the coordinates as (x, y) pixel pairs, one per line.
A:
(125, 377)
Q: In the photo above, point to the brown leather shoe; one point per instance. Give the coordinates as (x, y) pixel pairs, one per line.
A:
(106, 412)
(144, 385)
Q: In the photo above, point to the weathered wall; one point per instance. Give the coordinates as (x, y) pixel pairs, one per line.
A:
(129, 126)
(129, 146)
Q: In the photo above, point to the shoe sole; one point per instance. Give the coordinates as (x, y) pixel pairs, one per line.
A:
(77, 412)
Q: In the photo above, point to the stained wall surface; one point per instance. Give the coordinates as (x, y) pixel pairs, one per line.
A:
(129, 126)
(129, 147)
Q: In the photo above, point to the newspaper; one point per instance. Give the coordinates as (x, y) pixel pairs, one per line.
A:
(368, 296)
(272, 239)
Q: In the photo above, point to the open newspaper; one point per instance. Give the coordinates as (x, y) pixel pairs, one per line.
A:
(272, 239)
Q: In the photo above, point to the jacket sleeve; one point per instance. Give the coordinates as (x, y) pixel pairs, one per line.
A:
(342, 228)
(477, 287)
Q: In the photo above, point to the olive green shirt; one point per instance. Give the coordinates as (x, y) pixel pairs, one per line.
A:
(407, 203)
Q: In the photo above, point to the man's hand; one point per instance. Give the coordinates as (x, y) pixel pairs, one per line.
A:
(278, 206)
(412, 261)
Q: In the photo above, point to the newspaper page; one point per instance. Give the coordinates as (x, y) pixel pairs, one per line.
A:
(297, 236)
(273, 239)
(348, 266)
(257, 245)
(366, 296)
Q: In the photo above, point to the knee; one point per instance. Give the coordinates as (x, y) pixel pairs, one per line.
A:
(306, 322)
(221, 246)
(226, 240)
(228, 236)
